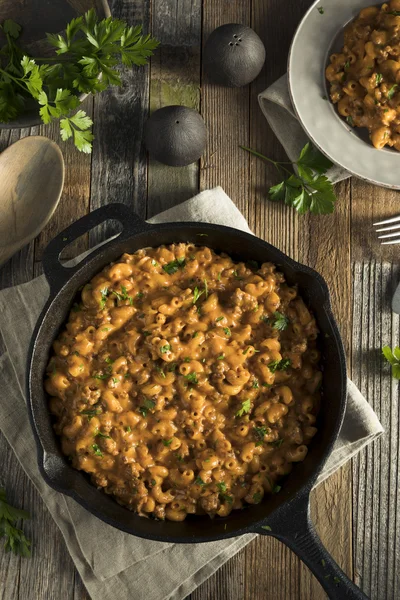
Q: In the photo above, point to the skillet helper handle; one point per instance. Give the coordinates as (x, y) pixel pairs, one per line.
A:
(297, 532)
(55, 272)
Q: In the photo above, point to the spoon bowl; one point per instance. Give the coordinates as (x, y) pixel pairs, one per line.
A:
(32, 179)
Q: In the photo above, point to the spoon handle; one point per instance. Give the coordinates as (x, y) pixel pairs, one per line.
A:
(57, 273)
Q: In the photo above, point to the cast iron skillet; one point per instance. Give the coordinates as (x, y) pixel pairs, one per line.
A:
(286, 515)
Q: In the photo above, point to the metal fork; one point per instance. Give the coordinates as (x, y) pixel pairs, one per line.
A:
(394, 237)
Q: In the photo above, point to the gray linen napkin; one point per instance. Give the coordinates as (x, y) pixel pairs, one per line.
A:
(278, 109)
(140, 568)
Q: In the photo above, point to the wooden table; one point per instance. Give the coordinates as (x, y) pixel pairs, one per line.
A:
(356, 510)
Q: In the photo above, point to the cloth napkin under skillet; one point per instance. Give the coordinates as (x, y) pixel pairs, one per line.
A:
(134, 568)
(278, 109)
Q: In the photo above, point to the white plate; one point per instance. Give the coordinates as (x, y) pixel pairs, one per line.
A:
(308, 58)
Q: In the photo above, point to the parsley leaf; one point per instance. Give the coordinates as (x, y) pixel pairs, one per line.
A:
(379, 78)
(245, 408)
(199, 481)
(260, 433)
(166, 348)
(279, 365)
(392, 91)
(146, 406)
(173, 266)
(280, 321)
(227, 331)
(97, 450)
(15, 540)
(192, 377)
(393, 358)
(167, 443)
(196, 294)
(309, 190)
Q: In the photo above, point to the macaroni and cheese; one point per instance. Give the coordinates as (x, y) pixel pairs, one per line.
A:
(365, 76)
(184, 382)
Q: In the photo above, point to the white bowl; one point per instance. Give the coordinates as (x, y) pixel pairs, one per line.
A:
(312, 45)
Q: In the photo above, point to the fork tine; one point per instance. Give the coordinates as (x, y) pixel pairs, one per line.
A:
(388, 235)
(394, 220)
(390, 228)
(391, 242)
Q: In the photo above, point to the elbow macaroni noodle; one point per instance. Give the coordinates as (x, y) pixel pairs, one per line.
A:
(365, 76)
(186, 383)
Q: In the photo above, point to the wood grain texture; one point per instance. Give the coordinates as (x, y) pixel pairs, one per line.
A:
(119, 171)
(174, 80)
(356, 510)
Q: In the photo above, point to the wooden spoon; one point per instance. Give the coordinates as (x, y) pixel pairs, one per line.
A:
(32, 179)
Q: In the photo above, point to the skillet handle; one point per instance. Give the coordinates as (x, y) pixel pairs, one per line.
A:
(55, 272)
(294, 528)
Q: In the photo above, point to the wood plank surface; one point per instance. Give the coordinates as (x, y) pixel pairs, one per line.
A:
(356, 510)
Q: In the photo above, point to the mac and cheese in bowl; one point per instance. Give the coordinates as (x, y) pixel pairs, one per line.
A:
(365, 76)
(185, 383)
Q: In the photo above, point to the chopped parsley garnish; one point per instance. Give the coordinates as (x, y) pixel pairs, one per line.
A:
(260, 433)
(123, 295)
(179, 457)
(280, 322)
(106, 329)
(257, 498)
(347, 65)
(139, 295)
(101, 376)
(103, 435)
(90, 413)
(279, 365)
(350, 120)
(146, 406)
(109, 360)
(173, 266)
(395, 13)
(115, 380)
(266, 527)
(154, 263)
(187, 359)
(221, 357)
(219, 319)
(196, 333)
(146, 333)
(278, 443)
(167, 443)
(97, 450)
(128, 429)
(171, 367)
(321, 10)
(392, 91)
(205, 287)
(379, 78)
(199, 481)
(153, 482)
(160, 371)
(244, 409)
(219, 276)
(196, 294)
(192, 377)
(165, 349)
(255, 384)
(222, 492)
(104, 294)
(227, 331)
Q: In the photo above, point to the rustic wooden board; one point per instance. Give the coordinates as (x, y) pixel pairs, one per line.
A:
(174, 80)
(356, 510)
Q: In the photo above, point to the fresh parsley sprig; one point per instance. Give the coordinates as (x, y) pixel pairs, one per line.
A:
(87, 55)
(307, 191)
(393, 358)
(15, 539)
